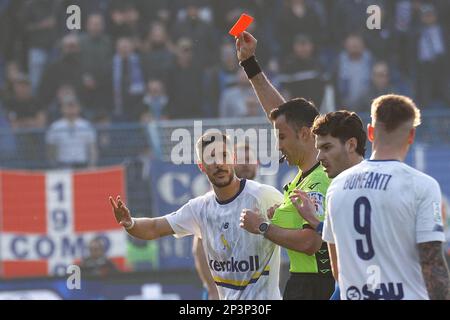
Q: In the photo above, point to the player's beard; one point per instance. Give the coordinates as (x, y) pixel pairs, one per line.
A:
(222, 184)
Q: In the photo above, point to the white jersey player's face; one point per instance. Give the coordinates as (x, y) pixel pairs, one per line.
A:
(218, 164)
(333, 155)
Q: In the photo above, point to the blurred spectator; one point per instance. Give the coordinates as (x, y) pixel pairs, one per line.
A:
(96, 46)
(297, 16)
(350, 16)
(125, 19)
(55, 106)
(233, 101)
(154, 10)
(155, 100)
(184, 84)
(381, 84)
(12, 32)
(353, 72)
(128, 80)
(220, 77)
(301, 73)
(382, 42)
(199, 32)
(157, 52)
(88, 8)
(97, 263)
(39, 18)
(65, 70)
(432, 77)
(406, 21)
(12, 72)
(23, 108)
(71, 141)
(96, 52)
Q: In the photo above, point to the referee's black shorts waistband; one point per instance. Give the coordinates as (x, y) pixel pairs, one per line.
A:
(311, 275)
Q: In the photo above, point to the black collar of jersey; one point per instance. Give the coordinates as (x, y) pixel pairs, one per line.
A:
(241, 187)
(384, 160)
(304, 175)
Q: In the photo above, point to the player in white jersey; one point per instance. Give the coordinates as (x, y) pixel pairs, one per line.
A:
(384, 218)
(246, 167)
(244, 265)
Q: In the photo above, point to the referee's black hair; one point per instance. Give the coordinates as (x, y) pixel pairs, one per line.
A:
(299, 113)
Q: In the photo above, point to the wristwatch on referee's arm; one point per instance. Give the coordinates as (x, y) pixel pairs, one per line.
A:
(263, 227)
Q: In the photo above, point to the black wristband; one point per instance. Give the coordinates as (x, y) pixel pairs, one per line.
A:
(251, 67)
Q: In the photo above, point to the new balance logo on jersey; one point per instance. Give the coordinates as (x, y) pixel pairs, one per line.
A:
(232, 265)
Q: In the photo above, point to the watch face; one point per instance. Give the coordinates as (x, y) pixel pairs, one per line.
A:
(263, 227)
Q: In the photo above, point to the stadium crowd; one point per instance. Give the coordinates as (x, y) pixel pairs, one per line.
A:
(137, 60)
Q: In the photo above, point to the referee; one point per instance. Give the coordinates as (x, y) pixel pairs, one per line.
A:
(310, 271)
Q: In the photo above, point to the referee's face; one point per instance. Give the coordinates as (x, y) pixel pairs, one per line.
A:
(218, 164)
(289, 141)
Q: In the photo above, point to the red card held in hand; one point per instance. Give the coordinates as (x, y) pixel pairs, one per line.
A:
(241, 25)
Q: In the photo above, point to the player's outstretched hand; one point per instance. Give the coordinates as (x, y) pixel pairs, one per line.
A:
(305, 207)
(121, 212)
(271, 211)
(250, 220)
(245, 46)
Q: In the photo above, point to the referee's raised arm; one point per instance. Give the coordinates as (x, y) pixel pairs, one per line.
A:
(142, 228)
(268, 96)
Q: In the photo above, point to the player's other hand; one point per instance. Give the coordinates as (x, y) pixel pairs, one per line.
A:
(245, 46)
(250, 220)
(121, 212)
(305, 207)
(271, 211)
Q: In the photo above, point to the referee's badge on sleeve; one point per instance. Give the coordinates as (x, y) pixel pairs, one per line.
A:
(318, 200)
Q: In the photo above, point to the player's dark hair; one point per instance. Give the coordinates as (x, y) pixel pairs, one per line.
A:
(342, 125)
(298, 112)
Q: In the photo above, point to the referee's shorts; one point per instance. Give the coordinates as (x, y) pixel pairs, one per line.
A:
(309, 286)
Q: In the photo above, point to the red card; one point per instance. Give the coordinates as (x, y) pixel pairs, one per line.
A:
(241, 25)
